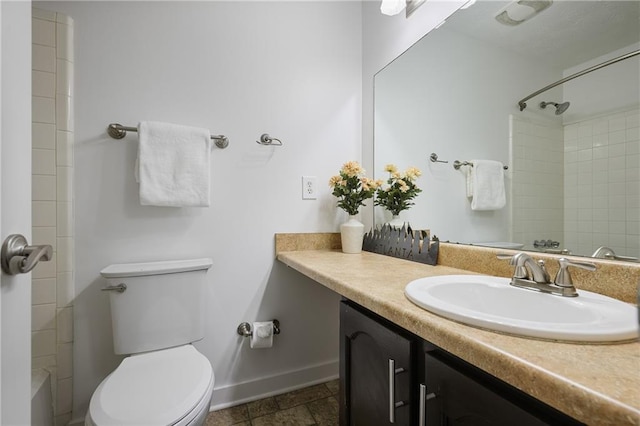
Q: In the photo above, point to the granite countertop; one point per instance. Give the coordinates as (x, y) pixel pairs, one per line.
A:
(594, 383)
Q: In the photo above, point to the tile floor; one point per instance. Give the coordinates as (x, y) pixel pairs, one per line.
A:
(314, 405)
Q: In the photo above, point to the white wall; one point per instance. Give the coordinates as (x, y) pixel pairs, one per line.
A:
(242, 69)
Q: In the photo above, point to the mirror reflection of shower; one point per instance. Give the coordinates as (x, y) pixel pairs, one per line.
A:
(560, 108)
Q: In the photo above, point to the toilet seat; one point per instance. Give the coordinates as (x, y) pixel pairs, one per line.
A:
(166, 387)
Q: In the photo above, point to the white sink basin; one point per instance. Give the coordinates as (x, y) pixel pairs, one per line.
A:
(491, 303)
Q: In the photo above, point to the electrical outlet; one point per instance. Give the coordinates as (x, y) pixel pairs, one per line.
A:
(309, 189)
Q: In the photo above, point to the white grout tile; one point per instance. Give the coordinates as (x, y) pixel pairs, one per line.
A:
(65, 292)
(43, 136)
(633, 134)
(617, 122)
(600, 127)
(65, 325)
(64, 148)
(43, 32)
(64, 360)
(617, 150)
(43, 343)
(45, 269)
(64, 177)
(64, 113)
(64, 215)
(43, 58)
(43, 317)
(43, 110)
(64, 48)
(44, 235)
(47, 361)
(43, 290)
(43, 162)
(632, 161)
(65, 396)
(43, 188)
(43, 213)
(43, 14)
(65, 254)
(64, 78)
(64, 19)
(633, 119)
(43, 84)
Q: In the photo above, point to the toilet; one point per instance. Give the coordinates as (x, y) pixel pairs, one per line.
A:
(157, 311)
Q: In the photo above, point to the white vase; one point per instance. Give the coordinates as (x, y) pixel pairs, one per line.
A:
(396, 222)
(351, 234)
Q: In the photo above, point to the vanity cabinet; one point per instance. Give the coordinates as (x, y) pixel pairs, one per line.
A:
(389, 376)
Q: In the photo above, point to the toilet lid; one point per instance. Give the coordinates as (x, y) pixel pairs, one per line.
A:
(154, 388)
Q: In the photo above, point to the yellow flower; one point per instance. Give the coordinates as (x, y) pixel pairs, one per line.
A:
(413, 173)
(391, 168)
(352, 169)
(403, 185)
(396, 175)
(335, 180)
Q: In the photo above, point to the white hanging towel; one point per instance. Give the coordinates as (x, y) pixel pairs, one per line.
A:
(488, 185)
(173, 165)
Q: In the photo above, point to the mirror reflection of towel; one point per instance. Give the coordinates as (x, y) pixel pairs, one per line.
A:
(488, 185)
(173, 165)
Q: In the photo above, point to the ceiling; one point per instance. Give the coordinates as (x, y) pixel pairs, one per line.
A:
(565, 34)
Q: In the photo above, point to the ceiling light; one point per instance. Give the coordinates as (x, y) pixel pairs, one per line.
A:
(392, 7)
(519, 11)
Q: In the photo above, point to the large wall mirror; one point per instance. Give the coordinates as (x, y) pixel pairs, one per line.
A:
(573, 178)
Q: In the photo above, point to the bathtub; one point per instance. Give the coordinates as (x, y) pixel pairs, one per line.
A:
(41, 401)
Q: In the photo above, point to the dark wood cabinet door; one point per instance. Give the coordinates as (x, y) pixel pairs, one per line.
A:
(466, 396)
(375, 371)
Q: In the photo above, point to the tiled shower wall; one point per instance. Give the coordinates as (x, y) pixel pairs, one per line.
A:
(537, 190)
(52, 169)
(602, 184)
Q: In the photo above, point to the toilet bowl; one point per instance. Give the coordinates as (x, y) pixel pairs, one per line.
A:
(166, 387)
(157, 311)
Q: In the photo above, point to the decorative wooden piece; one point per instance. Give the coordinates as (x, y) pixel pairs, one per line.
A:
(403, 243)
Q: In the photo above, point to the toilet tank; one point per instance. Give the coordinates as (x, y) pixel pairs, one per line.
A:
(163, 304)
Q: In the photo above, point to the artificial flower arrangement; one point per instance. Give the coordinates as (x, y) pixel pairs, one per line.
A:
(399, 191)
(352, 188)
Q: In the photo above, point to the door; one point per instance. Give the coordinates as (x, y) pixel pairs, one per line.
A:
(375, 371)
(15, 208)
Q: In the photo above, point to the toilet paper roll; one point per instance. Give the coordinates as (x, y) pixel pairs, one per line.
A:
(262, 336)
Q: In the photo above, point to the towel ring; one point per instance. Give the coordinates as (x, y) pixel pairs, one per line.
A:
(265, 139)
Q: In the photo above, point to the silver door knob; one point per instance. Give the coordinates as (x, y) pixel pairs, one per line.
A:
(18, 257)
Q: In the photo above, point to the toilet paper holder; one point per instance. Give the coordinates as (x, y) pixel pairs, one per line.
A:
(244, 329)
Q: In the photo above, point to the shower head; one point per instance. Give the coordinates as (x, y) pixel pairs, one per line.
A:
(560, 108)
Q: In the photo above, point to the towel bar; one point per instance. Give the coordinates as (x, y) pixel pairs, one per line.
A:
(118, 131)
(457, 164)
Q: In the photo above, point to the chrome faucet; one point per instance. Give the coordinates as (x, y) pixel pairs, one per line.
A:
(533, 275)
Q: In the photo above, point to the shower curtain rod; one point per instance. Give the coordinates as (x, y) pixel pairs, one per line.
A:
(523, 104)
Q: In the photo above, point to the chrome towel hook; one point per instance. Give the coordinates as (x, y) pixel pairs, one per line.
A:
(265, 139)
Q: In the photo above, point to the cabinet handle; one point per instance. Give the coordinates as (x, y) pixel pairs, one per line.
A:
(392, 390)
(424, 397)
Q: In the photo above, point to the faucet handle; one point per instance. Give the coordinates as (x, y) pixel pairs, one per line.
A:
(520, 270)
(563, 277)
(543, 268)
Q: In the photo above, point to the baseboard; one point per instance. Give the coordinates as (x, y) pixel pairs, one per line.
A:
(263, 387)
